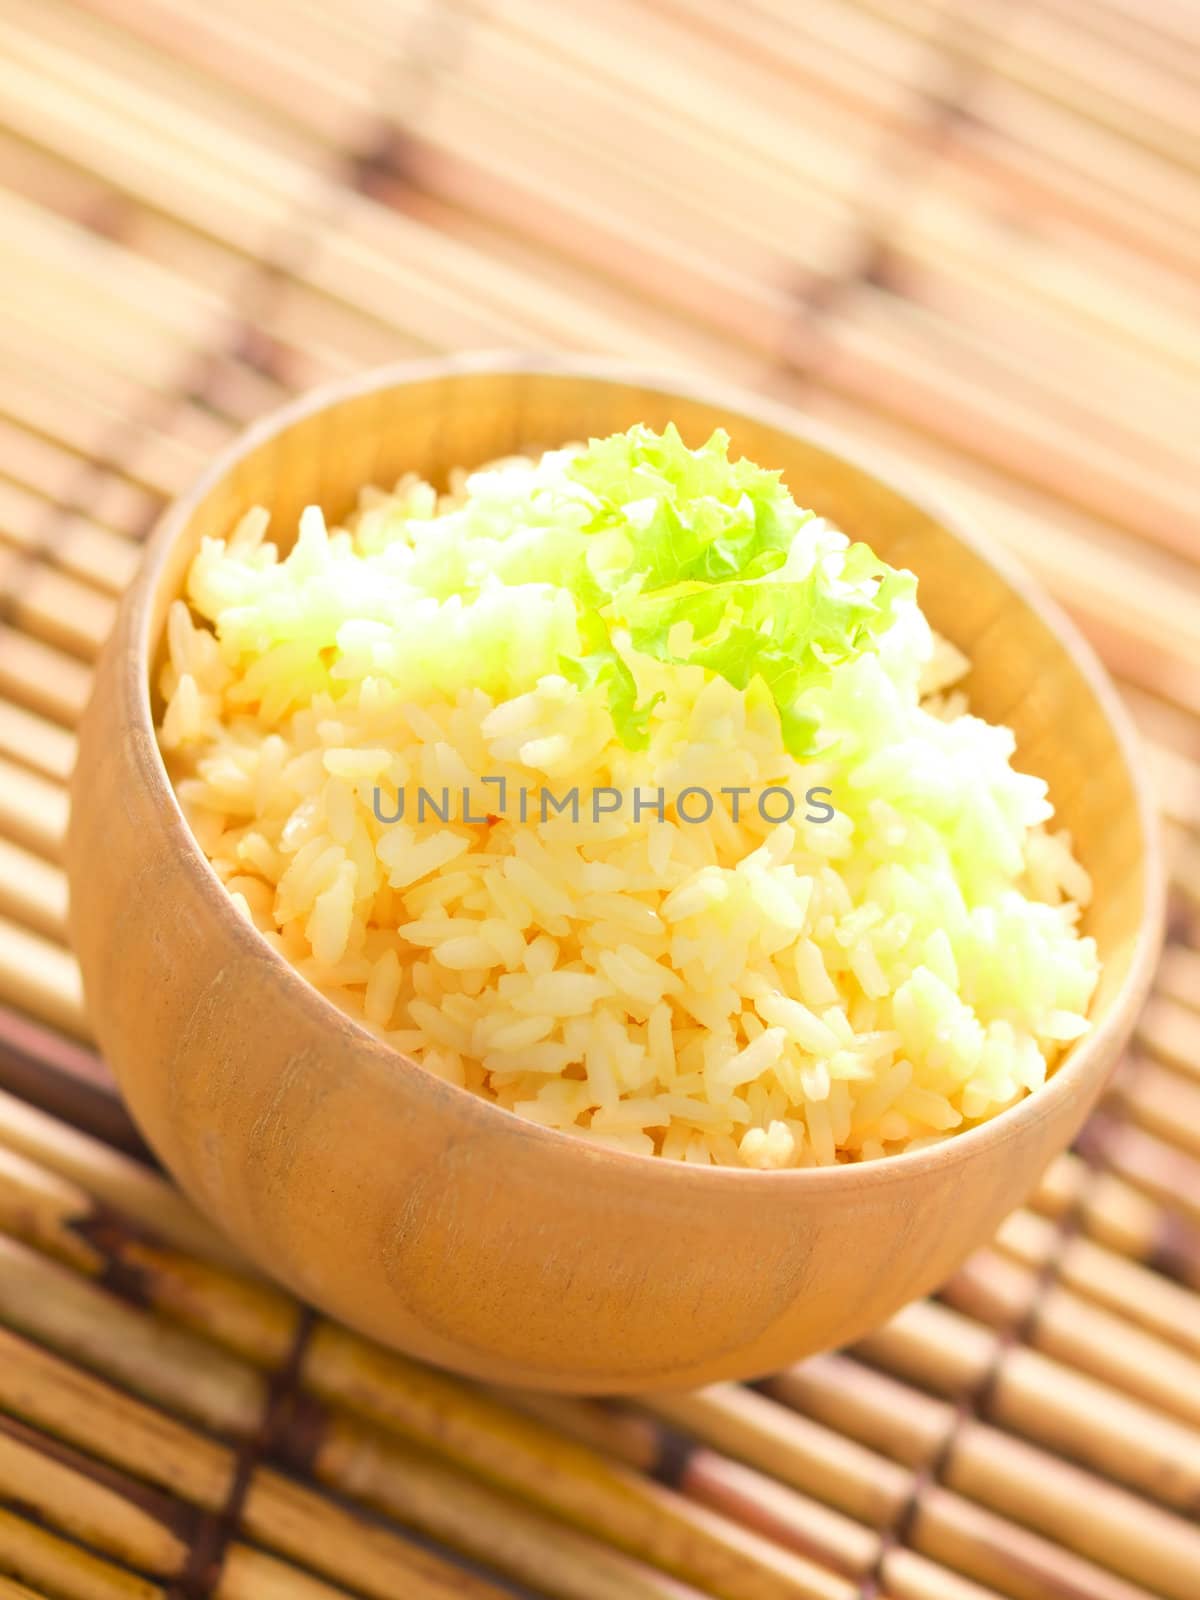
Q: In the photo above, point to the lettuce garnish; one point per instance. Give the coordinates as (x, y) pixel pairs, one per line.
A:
(699, 539)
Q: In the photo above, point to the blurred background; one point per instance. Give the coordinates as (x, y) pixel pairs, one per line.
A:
(967, 233)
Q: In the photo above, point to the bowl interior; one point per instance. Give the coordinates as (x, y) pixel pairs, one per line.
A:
(1028, 667)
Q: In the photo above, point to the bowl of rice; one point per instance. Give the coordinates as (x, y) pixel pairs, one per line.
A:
(591, 883)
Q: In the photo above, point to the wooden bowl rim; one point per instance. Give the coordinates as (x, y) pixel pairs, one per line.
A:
(1108, 1031)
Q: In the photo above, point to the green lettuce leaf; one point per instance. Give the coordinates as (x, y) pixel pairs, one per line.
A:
(601, 666)
(693, 515)
(704, 537)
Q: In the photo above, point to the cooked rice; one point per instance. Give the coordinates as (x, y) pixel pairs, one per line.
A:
(741, 992)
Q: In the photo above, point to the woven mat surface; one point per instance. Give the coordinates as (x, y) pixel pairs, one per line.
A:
(967, 233)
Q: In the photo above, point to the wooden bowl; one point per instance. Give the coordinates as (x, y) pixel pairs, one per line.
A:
(430, 1219)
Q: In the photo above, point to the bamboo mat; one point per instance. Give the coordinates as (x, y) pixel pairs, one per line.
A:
(968, 233)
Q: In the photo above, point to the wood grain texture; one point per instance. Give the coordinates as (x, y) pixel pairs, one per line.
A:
(438, 1223)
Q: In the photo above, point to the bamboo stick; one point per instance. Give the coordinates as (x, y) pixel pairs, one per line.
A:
(1013, 1560)
(123, 293)
(367, 279)
(69, 1573)
(1147, 34)
(114, 499)
(1178, 978)
(240, 392)
(1082, 80)
(1117, 1435)
(9, 1590)
(42, 978)
(1099, 1521)
(1044, 1400)
(42, 1210)
(36, 462)
(1118, 1214)
(59, 1205)
(615, 1432)
(462, 158)
(33, 811)
(1149, 628)
(33, 674)
(31, 173)
(52, 351)
(1166, 1175)
(1164, 1102)
(291, 1520)
(1168, 732)
(1062, 1325)
(32, 892)
(1043, 158)
(1137, 307)
(878, 1411)
(827, 58)
(636, 324)
(53, 1215)
(104, 64)
(169, 1365)
(749, 110)
(63, 1078)
(250, 1574)
(1064, 1191)
(88, 552)
(1143, 105)
(247, 1317)
(66, 614)
(49, 469)
(790, 1448)
(42, 1207)
(1052, 148)
(51, 356)
(37, 744)
(116, 1180)
(1177, 780)
(1107, 1279)
(66, 1196)
(934, 1348)
(976, 1460)
(165, 172)
(1170, 1032)
(297, 39)
(1182, 855)
(94, 1513)
(777, 1512)
(739, 138)
(346, 1548)
(305, 70)
(524, 1457)
(456, 294)
(159, 462)
(909, 1576)
(1097, 288)
(1017, 310)
(881, 353)
(983, 1463)
(750, 1497)
(114, 1518)
(325, 337)
(214, 265)
(492, 1526)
